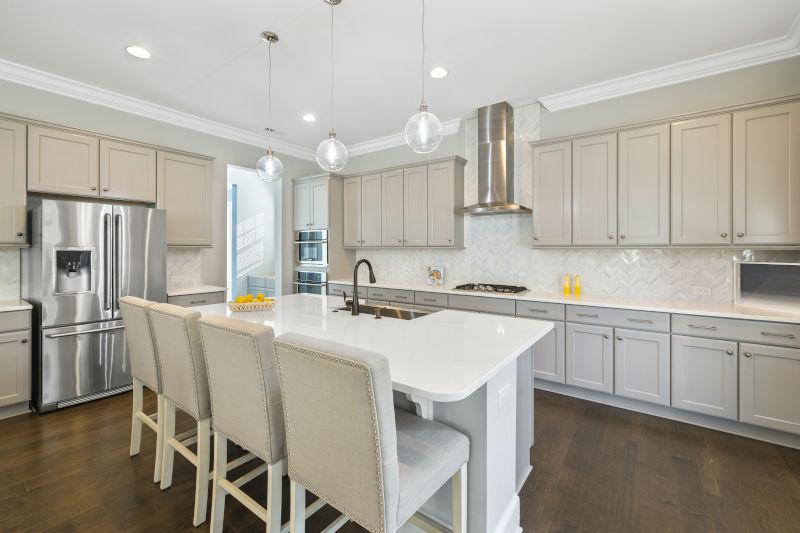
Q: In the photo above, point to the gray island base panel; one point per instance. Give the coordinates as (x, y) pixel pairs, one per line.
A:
(470, 371)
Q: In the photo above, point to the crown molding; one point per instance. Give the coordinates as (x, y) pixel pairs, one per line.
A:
(398, 139)
(70, 88)
(701, 67)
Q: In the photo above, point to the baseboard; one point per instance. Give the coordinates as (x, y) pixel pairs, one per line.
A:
(679, 415)
(509, 520)
(14, 410)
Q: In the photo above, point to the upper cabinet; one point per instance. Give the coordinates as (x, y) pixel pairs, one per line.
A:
(351, 207)
(701, 181)
(445, 195)
(552, 195)
(643, 186)
(392, 204)
(185, 190)
(594, 191)
(311, 204)
(127, 172)
(62, 162)
(12, 183)
(766, 175)
(302, 205)
(415, 206)
(371, 209)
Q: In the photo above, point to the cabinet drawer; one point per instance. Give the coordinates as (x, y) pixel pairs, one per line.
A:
(203, 298)
(391, 295)
(15, 321)
(736, 329)
(541, 310)
(622, 318)
(432, 299)
(336, 289)
(481, 304)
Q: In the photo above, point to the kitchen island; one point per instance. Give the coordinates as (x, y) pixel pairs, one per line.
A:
(470, 371)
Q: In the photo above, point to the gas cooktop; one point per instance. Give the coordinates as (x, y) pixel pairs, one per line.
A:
(490, 287)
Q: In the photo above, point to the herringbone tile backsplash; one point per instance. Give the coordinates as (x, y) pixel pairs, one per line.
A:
(9, 273)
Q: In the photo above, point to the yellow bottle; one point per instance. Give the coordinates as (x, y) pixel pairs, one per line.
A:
(577, 285)
(566, 285)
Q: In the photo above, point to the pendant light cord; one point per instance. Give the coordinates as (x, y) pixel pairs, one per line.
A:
(422, 66)
(332, 65)
(269, 92)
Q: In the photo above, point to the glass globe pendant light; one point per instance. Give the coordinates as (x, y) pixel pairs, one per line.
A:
(269, 168)
(423, 130)
(332, 154)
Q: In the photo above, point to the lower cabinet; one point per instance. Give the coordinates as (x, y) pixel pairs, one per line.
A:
(769, 387)
(590, 357)
(15, 367)
(705, 376)
(549, 355)
(641, 365)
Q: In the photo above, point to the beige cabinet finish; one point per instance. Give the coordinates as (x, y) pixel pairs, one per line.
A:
(392, 204)
(705, 376)
(642, 365)
(15, 367)
(415, 206)
(643, 186)
(302, 206)
(61, 162)
(766, 175)
(319, 204)
(200, 298)
(552, 195)
(127, 172)
(371, 212)
(351, 215)
(769, 387)
(185, 190)
(13, 172)
(701, 180)
(441, 204)
(549, 355)
(590, 357)
(594, 191)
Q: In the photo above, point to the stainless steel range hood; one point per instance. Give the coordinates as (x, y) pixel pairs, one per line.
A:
(495, 163)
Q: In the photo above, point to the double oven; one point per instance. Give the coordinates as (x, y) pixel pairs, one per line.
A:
(311, 261)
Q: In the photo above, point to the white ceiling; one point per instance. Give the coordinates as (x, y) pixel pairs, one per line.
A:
(209, 61)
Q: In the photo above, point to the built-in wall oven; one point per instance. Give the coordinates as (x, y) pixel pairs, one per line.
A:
(311, 282)
(311, 248)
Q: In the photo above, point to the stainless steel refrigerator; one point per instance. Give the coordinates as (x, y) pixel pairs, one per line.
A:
(83, 257)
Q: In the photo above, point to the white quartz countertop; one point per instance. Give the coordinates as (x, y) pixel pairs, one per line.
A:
(723, 310)
(14, 305)
(444, 356)
(197, 289)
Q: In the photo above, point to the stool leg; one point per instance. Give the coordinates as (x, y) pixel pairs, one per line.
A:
(220, 473)
(136, 422)
(159, 439)
(201, 478)
(297, 519)
(459, 487)
(168, 450)
(274, 483)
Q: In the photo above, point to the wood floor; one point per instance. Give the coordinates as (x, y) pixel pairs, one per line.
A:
(596, 468)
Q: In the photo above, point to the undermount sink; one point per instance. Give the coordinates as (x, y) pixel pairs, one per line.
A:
(387, 311)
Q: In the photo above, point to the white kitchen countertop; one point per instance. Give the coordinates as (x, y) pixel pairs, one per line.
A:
(723, 310)
(14, 305)
(444, 356)
(197, 289)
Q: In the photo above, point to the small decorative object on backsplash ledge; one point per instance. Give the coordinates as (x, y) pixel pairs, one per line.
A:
(435, 275)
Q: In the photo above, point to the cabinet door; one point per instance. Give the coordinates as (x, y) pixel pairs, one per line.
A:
(769, 387)
(701, 180)
(704, 376)
(184, 190)
(643, 195)
(549, 355)
(13, 175)
(351, 207)
(590, 357)
(127, 172)
(641, 365)
(766, 175)
(61, 162)
(15, 368)
(552, 195)
(392, 202)
(415, 206)
(594, 191)
(441, 204)
(371, 210)
(302, 206)
(319, 205)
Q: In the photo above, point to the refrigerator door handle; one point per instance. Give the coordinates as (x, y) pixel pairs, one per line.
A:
(85, 332)
(117, 259)
(107, 274)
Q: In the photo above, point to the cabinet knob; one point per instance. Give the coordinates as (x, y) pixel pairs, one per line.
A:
(20, 234)
(610, 236)
(536, 238)
(94, 188)
(723, 234)
(24, 341)
(748, 354)
(399, 240)
(105, 188)
(740, 234)
(605, 336)
(622, 236)
(619, 338)
(449, 240)
(729, 352)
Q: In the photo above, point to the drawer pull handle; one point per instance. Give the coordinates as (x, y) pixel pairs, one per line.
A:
(377, 294)
(695, 326)
(748, 354)
(729, 352)
(588, 315)
(429, 299)
(197, 301)
(782, 335)
(619, 338)
(642, 320)
(532, 310)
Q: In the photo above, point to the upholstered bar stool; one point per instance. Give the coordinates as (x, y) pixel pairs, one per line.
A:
(145, 373)
(347, 443)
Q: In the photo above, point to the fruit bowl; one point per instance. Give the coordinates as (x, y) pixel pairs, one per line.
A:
(263, 305)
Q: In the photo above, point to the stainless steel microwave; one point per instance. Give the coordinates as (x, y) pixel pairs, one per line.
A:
(311, 247)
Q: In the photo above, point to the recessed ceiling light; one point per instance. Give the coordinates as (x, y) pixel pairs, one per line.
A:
(138, 51)
(438, 72)
(308, 117)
